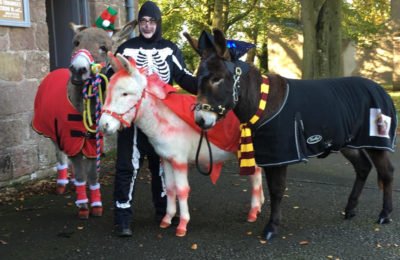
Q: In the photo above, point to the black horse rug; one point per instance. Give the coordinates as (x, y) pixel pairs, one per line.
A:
(322, 116)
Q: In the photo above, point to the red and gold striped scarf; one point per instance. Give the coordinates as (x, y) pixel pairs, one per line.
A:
(247, 162)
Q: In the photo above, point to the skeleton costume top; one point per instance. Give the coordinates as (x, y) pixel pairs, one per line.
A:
(162, 57)
(159, 55)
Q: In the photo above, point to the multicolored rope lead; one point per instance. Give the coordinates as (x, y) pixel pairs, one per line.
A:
(247, 162)
(92, 89)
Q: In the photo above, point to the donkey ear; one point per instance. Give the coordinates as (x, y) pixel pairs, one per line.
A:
(76, 27)
(220, 43)
(206, 41)
(114, 62)
(124, 32)
(193, 42)
(125, 64)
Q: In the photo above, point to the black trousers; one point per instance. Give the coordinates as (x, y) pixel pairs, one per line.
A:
(132, 147)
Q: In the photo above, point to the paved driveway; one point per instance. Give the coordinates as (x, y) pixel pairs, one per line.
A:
(45, 227)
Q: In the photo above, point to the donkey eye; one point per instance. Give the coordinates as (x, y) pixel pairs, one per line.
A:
(76, 43)
(124, 94)
(215, 80)
(103, 49)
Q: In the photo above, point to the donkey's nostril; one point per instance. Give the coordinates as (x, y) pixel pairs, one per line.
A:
(82, 71)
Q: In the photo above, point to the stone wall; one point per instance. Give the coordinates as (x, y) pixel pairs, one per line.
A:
(24, 61)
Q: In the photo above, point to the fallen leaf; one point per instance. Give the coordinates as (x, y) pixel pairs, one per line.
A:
(244, 190)
(330, 256)
(377, 229)
(378, 245)
(304, 242)
(194, 246)
(296, 207)
(262, 241)
(159, 236)
(3, 242)
(249, 233)
(80, 227)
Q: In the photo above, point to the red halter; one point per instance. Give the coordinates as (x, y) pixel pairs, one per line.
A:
(120, 117)
(88, 56)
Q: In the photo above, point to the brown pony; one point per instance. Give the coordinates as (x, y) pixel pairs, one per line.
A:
(292, 120)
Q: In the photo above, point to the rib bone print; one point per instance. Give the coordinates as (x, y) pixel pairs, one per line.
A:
(154, 61)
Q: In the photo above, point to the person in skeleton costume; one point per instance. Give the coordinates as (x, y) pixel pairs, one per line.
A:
(161, 56)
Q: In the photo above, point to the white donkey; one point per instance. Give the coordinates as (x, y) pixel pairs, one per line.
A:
(66, 106)
(133, 97)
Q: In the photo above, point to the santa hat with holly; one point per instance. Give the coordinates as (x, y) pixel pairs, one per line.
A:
(106, 20)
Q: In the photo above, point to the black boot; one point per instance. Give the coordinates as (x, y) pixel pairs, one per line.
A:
(122, 219)
(123, 231)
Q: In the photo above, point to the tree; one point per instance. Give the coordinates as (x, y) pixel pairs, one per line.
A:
(395, 20)
(322, 38)
(197, 15)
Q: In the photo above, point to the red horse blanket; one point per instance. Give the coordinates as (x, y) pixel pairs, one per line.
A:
(225, 134)
(56, 118)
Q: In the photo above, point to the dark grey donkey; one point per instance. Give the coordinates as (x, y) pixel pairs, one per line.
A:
(292, 120)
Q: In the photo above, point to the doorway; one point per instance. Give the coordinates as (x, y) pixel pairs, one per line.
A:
(59, 14)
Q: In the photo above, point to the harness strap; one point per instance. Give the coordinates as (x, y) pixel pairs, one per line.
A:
(247, 162)
(119, 117)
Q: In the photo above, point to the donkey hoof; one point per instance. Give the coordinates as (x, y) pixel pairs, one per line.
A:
(349, 214)
(96, 211)
(270, 232)
(61, 189)
(83, 213)
(384, 220)
(164, 224)
(180, 232)
(269, 235)
(252, 216)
